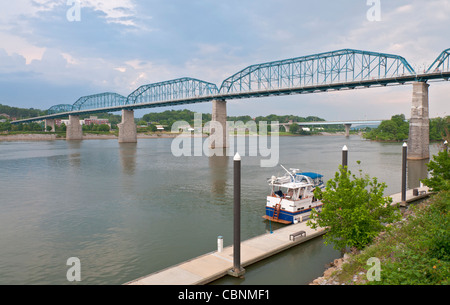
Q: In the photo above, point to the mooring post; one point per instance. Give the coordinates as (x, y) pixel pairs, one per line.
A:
(405, 156)
(220, 244)
(237, 270)
(345, 157)
(446, 145)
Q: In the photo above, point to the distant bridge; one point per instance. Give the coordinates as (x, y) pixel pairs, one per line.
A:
(347, 124)
(331, 71)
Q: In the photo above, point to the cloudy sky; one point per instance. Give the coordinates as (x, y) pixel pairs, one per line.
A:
(119, 45)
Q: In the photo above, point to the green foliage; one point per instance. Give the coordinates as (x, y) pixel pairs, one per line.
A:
(354, 211)
(171, 116)
(395, 129)
(152, 128)
(6, 126)
(294, 128)
(287, 118)
(21, 113)
(439, 127)
(416, 251)
(439, 219)
(420, 250)
(96, 128)
(439, 168)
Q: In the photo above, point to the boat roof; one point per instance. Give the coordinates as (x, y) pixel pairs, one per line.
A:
(310, 175)
(294, 185)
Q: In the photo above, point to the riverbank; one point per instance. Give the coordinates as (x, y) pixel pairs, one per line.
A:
(54, 136)
(414, 252)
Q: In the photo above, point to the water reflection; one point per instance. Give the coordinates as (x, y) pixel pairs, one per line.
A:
(218, 165)
(417, 171)
(128, 157)
(75, 154)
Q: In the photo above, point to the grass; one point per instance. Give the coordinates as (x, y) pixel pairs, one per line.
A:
(415, 252)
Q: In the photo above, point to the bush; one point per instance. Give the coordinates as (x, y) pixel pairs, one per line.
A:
(355, 210)
(439, 168)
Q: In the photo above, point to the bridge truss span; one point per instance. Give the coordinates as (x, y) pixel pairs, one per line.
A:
(173, 90)
(325, 69)
(102, 100)
(441, 64)
(60, 109)
(337, 70)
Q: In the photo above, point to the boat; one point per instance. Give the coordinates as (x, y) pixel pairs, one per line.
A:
(292, 196)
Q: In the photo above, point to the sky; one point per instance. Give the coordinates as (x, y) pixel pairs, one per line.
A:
(54, 52)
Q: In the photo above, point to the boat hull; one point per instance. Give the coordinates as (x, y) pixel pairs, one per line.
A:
(287, 217)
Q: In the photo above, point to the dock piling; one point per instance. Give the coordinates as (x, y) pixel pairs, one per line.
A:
(404, 162)
(237, 270)
(345, 156)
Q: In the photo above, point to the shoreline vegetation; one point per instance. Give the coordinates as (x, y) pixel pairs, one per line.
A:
(412, 250)
(47, 136)
(415, 251)
(394, 130)
(397, 130)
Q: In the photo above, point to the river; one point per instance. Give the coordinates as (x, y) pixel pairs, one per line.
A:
(128, 210)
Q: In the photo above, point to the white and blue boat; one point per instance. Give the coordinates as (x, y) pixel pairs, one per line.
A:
(292, 196)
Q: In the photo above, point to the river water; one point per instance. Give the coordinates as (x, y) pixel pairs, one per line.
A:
(128, 210)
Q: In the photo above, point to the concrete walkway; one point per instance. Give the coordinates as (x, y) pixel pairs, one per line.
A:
(209, 267)
(212, 266)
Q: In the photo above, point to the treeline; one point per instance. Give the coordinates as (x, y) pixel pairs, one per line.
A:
(20, 113)
(397, 129)
(171, 116)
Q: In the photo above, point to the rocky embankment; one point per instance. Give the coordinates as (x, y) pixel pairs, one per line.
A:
(30, 137)
(327, 277)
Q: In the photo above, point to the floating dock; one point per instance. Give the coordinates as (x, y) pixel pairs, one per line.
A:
(212, 266)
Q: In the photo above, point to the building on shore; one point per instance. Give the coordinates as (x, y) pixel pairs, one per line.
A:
(93, 120)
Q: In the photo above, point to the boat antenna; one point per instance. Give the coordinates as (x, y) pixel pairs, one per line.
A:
(287, 171)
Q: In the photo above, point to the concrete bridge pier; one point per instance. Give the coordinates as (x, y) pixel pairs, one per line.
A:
(50, 123)
(347, 129)
(127, 129)
(219, 137)
(419, 125)
(74, 130)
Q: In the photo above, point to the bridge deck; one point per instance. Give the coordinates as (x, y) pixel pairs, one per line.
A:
(212, 266)
(349, 85)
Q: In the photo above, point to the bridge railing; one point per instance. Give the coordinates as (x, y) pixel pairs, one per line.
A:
(321, 69)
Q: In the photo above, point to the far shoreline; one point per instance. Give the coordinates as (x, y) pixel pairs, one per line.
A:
(56, 137)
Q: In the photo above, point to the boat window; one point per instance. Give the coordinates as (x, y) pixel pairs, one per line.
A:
(290, 192)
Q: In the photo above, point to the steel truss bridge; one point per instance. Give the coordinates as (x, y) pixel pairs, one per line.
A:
(332, 71)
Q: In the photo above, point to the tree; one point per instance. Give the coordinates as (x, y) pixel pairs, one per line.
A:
(294, 128)
(152, 128)
(439, 169)
(354, 210)
(103, 128)
(395, 129)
